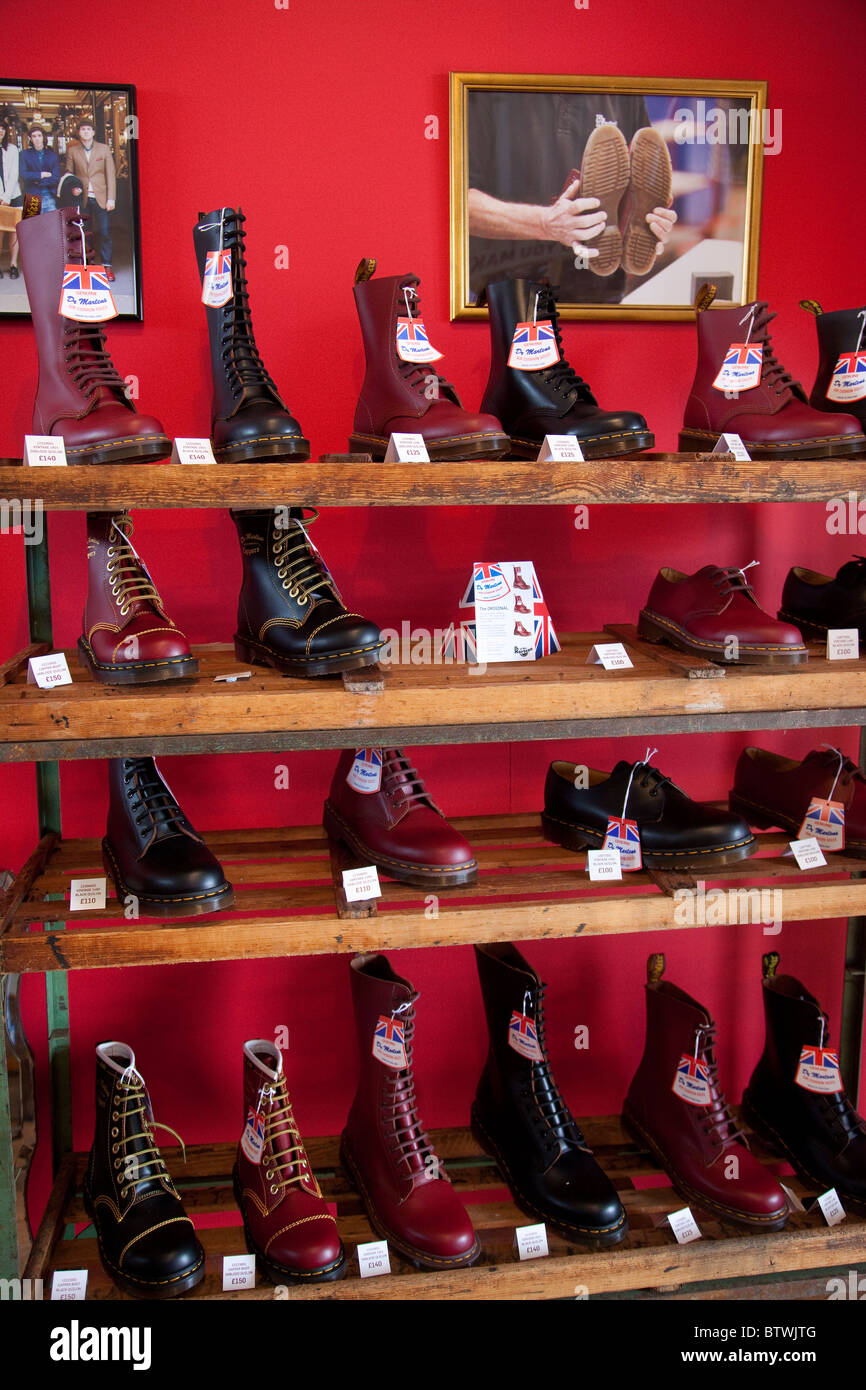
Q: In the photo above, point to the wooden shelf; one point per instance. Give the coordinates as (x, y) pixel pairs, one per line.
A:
(649, 1257)
(285, 902)
(445, 703)
(649, 477)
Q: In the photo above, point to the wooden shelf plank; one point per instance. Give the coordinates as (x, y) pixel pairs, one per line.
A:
(650, 477)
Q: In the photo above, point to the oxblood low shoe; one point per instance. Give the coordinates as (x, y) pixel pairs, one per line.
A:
(714, 613)
(674, 831)
(772, 790)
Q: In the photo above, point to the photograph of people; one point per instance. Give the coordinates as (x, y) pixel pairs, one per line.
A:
(10, 192)
(93, 164)
(40, 170)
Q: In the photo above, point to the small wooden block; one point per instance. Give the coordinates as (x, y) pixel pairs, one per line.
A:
(351, 458)
(681, 663)
(670, 880)
(342, 858)
(369, 681)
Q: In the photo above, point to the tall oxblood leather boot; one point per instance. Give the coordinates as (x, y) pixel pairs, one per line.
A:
(839, 334)
(520, 1118)
(773, 419)
(819, 1131)
(287, 1224)
(695, 1141)
(393, 822)
(249, 419)
(551, 400)
(128, 638)
(409, 397)
(407, 1195)
(81, 396)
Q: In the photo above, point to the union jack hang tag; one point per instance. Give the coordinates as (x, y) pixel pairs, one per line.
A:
(825, 822)
(388, 1044)
(523, 1035)
(365, 774)
(741, 369)
(624, 835)
(253, 1137)
(818, 1070)
(216, 287)
(533, 346)
(848, 382)
(691, 1081)
(413, 345)
(86, 294)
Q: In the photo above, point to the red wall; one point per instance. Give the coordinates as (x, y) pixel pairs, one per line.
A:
(312, 118)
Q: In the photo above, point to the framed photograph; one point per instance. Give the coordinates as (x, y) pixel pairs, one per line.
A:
(626, 194)
(75, 145)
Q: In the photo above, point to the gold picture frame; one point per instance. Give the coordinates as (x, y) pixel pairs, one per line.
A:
(492, 116)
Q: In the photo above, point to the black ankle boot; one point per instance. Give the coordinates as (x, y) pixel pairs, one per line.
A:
(838, 335)
(248, 417)
(552, 400)
(147, 1243)
(822, 1135)
(520, 1118)
(290, 613)
(152, 852)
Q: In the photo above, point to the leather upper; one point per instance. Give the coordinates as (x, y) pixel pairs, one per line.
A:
(825, 601)
(124, 620)
(838, 332)
(716, 603)
(783, 788)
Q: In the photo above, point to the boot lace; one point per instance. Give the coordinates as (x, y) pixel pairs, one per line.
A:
(87, 360)
(653, 779)
(717, 1117)
(550, 1115)
(130, 582)
(287, 1165)
(300, 568)
(773, 374)
(238, 346)
(561, 376)
(733, 581)
(399, 776)
(420, 375)
(409, 1142)
(151, 799)
(130, 1155)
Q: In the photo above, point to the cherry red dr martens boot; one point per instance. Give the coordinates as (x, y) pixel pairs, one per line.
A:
(520, 1118)
(248, 418)
(81, 396)
(147, 1243)
(287, 1224)
(676, 1108)
(128, 638)
(408, 397)
(772, 418)
(407, 1194)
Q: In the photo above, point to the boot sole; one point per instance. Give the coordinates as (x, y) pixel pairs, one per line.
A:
(830, 446)
(594, 1237)
(810, 628)
(775, 1140)
(691, 1194)
(248, 650)
(191, 905)
(594, 446)
(268, 446)
(142, 1288)
(403, 870)
(458, 446)
(421, 1258)
(653, 627)
(650, 188)
(174, 668)
(577, 837)
(148, 448)
(281, 1274)
(604, 174)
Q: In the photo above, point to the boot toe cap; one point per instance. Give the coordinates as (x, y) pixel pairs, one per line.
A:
(311, 1247)
(435, 1223)
(343, 635)
(163, 1254)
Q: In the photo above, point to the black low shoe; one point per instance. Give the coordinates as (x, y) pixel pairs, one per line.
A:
(817, 602)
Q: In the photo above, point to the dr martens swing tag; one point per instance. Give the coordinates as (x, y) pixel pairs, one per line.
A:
(253, 1137)
(533, 346)
(825, 822)
(365, 774)
(388, 1044)
(624, 835)
(85, 295)
(523, 1036)
(848, 382)
(216, 289)
(818, 1070)
(413, 345)
(691, 1081)
(741, 369)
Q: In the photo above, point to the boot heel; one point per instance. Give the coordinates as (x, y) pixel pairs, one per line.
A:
(246, 653)
(753, 814)
(696, 442)
(650, 630)
(376, 448)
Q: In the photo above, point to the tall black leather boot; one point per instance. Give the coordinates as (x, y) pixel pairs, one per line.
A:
(290, 613)
(249, 420)
(838, 334)
(152, 852)
(553, 400)
(147, 1243)
(521, 1120)
(821, 1135)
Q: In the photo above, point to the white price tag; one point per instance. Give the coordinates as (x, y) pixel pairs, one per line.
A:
(68, 1285)
(843, 643)
(833, 1210)
(45, 451)
(406, 448)
(48, 671)
(684, 1226)
(611, 655)
(192, 451)
(86, 894)
(808, 853)
(239, 1272)
(603, 864)
(560, 448)
(238, 676)
(361, 883)
(732, 444)
(793, 1200)
(373, 1259)
(531, 1242)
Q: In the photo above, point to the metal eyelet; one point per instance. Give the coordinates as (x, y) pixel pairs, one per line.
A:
(110, 552)
(294, 591)
(114, 1130)
(274, 1188)
(114, 1148)
(124, 610)
(115, 1115)
(123, 1191)
(302, 601)
(269, 1175)
(285, 583)
(281, 574)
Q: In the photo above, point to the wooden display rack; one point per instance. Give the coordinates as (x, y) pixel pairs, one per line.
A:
(285, 878)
